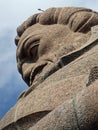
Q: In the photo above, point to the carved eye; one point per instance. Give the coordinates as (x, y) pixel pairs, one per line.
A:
(33, 51)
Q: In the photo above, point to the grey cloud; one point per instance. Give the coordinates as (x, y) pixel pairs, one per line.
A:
(11, 84)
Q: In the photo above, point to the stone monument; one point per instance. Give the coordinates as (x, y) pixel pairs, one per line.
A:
(57, 56)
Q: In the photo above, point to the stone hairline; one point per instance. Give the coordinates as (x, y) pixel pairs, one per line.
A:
(51, 16)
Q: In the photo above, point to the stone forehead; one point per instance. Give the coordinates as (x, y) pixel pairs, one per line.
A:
(51, 16)
(74, 17)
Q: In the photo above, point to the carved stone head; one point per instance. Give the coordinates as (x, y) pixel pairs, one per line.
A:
(43, 38)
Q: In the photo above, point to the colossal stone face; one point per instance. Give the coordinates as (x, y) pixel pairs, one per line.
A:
(42, 41)
(39, 48)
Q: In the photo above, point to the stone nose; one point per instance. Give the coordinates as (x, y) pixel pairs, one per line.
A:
(23, 65)
(27, 66)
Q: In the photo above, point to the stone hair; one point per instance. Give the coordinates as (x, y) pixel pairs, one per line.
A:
(77, 19)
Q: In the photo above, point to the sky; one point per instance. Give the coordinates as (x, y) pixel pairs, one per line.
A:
(12, 14)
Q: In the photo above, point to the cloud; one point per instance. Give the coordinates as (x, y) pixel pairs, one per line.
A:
(13, 13)
(11, 84)
(10, 92)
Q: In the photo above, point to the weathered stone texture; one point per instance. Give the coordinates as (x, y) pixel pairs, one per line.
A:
(57, 51)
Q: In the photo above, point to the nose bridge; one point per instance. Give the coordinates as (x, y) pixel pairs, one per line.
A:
(20, 54)
(22, 60)
(23, 64)
(27, 65)
(20, 57)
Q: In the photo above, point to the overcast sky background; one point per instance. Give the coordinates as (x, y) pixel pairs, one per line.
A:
(12, 14)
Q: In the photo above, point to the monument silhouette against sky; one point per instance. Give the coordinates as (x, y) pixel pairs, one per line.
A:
(57, 56)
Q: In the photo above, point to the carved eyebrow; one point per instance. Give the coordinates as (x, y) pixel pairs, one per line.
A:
(31, 43)
(31, 39)
(23, 41)
(34, 45)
